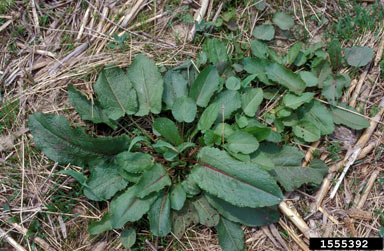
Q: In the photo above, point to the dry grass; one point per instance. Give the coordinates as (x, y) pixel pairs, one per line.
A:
(46, 45)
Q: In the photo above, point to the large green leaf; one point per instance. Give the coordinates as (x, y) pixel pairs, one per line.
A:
(347, 118)
(309, 78)
(56, 139)
(293, 101)
(230, 234)
(229, 101)
(358, 55)
(223, 130)
(260, 131)
(293, 52)
(159, 216)
(208, 216)
(184, 109)
(128, 237)
(322, 70)
(241, 184)
(215, 50)
(128, 207)
(275, 57)
(242, 142)
(168, 130)
(334, 51)
(130, 177)
(257, 66)
(259, 158)
(184, 218)
(87, 110)
(282, 156)
(285, 77)
(177, 196)
(248, 80)
(115, 93)
(104, 182)
(208, 117)
(210, 138)
(153, 180)
(97, 227)
(264, 32)
(148, 84)
(175, 86)
(250, 100)
(206, 83)
(241, 120)
(233, 83)
(291, 177)
(284, 21)
(306, 130)
(301, 59)
(135, 162)
(259, 49)
(319, 115)
(248, 216)
(333, 87)
(190, 187)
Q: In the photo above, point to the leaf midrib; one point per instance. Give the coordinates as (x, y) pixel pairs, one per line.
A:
(72, 144)
(130, 206)
(114, 94)
(202, 87)
(145, 89)
(229, 233)
(205, 209)
(113, 181)
(161, 210)
(241, 181)
(284, 81)
(251, 101)
(345, 118)
(154, 182)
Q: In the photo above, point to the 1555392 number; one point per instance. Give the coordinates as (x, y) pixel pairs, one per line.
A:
(346, 243)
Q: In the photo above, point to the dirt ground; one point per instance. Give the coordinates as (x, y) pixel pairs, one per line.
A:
(45, 45)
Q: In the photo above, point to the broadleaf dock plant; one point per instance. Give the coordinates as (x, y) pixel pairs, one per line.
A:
(212, 157)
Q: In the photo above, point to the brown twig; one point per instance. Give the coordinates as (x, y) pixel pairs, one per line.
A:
(268, 233)
(367, 189)
(11, 241)
(5, 25)
(150, 245)
(297, 220)
(379, 53)
(294, 236)
(276, 233)
(40, 242)
(198, 18)
(309, 155)
(353, 100)
(35, 17)
(83, 23)
(132, 13)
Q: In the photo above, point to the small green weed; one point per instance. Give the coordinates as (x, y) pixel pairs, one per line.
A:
(8, 114)
(120, 42)
(334, 149)
(6, 6)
